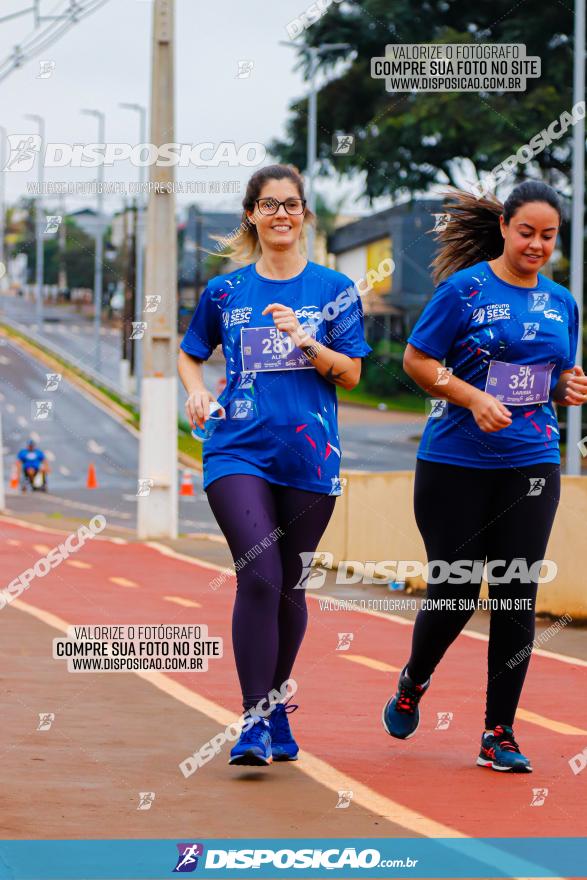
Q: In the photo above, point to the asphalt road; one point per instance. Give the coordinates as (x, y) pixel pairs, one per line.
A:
(371, 440)
(79, 433)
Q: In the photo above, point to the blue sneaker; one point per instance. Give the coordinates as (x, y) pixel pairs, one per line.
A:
(500, 751)
(401, 715)
(283, 745)
(253, 747)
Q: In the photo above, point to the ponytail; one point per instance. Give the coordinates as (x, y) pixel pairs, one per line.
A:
(472, 232)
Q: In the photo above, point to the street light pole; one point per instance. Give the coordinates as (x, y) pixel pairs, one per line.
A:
(99, 250)
(577, 226)
(314, 53)
(139, 247)
(39, 222)
(311, 143)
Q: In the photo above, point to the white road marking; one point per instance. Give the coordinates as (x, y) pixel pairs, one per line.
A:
(95, 448)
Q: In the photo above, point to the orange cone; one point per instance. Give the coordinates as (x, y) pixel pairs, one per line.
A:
(14, 477)
(91, 482)
(187, 485)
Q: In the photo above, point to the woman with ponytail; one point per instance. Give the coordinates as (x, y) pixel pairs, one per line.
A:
(487, 477)
(291, 330)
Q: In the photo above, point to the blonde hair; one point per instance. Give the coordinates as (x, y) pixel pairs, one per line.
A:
(242, 246)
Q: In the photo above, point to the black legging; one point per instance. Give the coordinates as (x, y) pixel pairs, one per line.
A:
(270, 616)
(477, 514)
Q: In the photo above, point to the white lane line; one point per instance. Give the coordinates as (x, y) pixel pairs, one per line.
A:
(186, 603)
(123, 582)
(95, 448)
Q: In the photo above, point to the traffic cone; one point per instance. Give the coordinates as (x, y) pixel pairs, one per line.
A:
(187, 485)
(14, 477)
(91, 482)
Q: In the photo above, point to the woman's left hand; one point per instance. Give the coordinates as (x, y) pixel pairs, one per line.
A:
(575, 391)
(285, 320)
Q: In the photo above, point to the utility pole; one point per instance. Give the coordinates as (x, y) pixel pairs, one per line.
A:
(574, 431)
(2, 206)
(129, 282)
(39, 223)
(157, 510)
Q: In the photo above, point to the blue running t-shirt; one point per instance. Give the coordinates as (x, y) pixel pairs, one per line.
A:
(281, 424)
(475, 317)
(31, 457)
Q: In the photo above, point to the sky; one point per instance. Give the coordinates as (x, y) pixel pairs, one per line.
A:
(105, 60)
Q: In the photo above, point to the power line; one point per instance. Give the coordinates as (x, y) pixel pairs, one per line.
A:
(41, 38)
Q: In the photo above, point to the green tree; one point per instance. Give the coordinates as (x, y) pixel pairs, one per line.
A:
(405, 142)
(79, 253)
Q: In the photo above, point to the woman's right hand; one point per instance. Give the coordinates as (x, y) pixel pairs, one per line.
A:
(197, 406)
(489, 413)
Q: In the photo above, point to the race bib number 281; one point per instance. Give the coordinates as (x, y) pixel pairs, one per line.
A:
(267, 348)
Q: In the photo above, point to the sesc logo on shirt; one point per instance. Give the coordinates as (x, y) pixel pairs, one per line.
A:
(491, 313)
(236, 316)
(308, 313)
(498, 312)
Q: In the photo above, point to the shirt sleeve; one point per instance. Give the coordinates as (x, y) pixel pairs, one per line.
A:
(203, 333)
(441, 322)
(345, 330)
(573, 334)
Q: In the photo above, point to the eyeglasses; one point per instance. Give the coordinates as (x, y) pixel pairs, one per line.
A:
(271, 206)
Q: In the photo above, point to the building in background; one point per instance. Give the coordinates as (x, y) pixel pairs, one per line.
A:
(402, 233)
(196, 266)
(87, 219)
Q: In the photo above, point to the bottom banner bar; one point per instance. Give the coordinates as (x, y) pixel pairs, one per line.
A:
(558, 857)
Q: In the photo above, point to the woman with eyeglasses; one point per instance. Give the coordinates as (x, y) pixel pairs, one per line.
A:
(291, 330)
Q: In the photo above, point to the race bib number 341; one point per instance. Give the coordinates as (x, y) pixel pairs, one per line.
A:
(517, 384)
(267, 348)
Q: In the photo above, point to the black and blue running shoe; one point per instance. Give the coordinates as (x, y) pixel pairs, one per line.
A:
(253, 747)
(401, 714)
(500, 751)
(283, 745)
